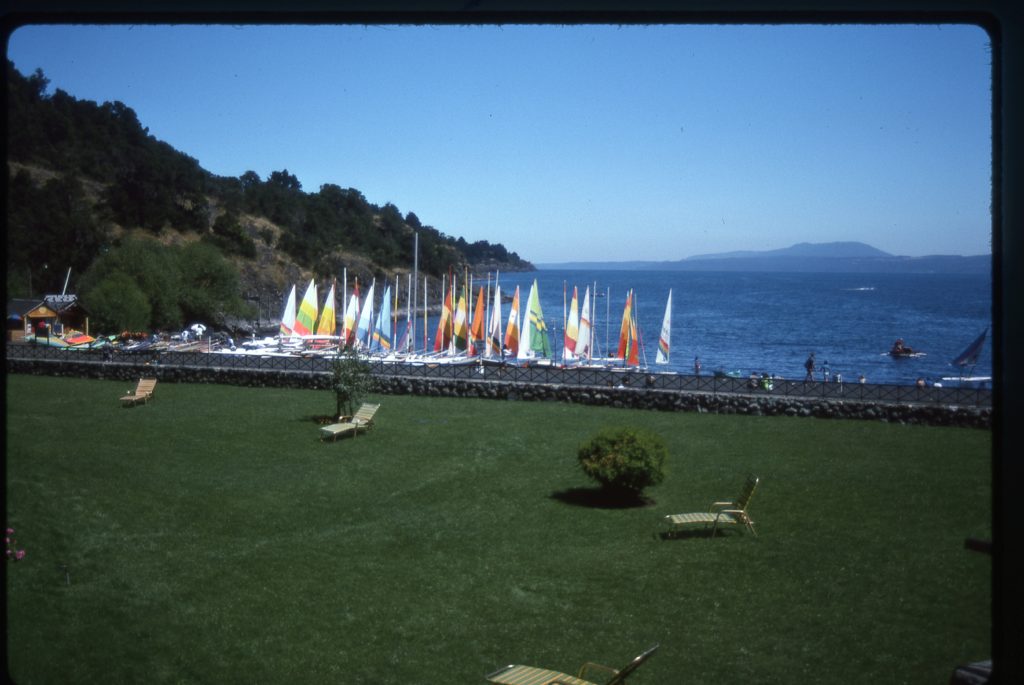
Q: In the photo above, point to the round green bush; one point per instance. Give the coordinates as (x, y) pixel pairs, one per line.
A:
(624, 460)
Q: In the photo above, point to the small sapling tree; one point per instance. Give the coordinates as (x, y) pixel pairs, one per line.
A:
(624, 461)
(350, 380)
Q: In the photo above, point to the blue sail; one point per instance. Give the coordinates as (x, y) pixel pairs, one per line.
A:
(970, 355)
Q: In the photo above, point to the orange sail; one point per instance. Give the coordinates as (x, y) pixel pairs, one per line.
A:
(443, 337)
(629, 336)
(627, 315)
(476, 331)
(512, 330)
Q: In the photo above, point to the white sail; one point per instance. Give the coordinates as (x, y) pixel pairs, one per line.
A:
(351, 316)
(493, 345)
(288, 317)
(583, 338)
(572, 329)
(666, 332)
(363, 328)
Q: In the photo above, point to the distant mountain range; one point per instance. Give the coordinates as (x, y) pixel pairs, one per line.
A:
(849, 257)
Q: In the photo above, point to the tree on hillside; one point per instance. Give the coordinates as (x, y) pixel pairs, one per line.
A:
(154, 270)
(49, 224)
(209, 285)
(145, 183)
(116, 304)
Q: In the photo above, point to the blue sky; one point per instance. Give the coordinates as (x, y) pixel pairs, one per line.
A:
(579, 143)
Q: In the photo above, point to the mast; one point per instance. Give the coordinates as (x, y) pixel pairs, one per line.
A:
(415, 283)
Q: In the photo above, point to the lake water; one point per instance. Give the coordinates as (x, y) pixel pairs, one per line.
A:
(770, 322)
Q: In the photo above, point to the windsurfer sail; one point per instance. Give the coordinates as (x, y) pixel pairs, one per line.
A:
(969, 357)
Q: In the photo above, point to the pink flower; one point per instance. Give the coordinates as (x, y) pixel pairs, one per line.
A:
(10, 531)
(20, 554)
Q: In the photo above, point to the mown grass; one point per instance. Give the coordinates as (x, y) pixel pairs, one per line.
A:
(211, 538)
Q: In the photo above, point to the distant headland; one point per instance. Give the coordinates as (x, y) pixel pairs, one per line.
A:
(848, 257)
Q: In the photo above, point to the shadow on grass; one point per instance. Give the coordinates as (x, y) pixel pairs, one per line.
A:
(688, 534)
(599, 498)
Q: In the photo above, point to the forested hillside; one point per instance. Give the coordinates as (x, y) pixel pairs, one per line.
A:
(91, 190)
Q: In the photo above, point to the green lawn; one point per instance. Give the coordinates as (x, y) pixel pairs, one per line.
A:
(211, 538)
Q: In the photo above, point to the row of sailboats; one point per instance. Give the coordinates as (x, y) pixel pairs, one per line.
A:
(459, 337)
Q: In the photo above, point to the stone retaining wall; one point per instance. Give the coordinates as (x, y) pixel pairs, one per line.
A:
(636, 398)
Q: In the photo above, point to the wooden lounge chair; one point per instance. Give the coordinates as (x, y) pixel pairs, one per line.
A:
(720, 513)
(515, 674)
(361, 421)
(143, 393)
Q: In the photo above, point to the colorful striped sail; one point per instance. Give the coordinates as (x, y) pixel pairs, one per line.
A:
(382, 330)
(537, 342)
(583, 350)
(288, 317)
(476, 330)
(512, 330)
(305, 320)
(633, 354)
(629, 335)
(328, 321)
(351, 315)
(666, 333)
(572, 328)
(494, 329)
(624, 338)
(460, 332)
(443, 339)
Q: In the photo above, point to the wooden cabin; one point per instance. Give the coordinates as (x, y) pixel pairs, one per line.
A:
(58, 313)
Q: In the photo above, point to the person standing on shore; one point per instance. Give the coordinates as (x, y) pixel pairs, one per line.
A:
(809, 365)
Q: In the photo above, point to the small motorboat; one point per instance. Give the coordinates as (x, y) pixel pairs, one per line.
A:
(900, 350)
